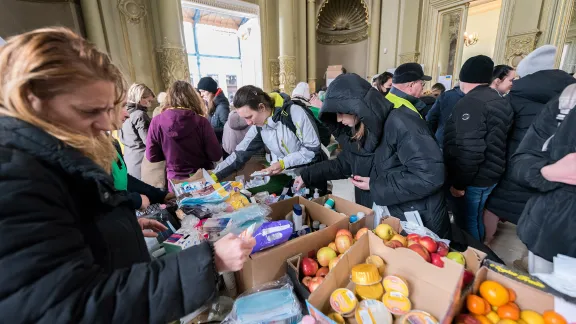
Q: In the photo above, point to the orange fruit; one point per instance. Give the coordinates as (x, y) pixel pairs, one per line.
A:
(514, 305)
(509, 311)
(494, 293)
(483, 319)
(551, 317)
(477, 305)
(512, 294)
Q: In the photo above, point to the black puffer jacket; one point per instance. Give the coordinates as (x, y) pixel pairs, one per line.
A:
(72, 250)
(398, 153)
(475, 139)
(219, 116)
(547, 222)
(527, 98)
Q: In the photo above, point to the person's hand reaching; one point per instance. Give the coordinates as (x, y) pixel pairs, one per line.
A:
(298, 183)
(361, 182)
(147, 224)
(564, 170)
(274, 169)
(230, 252)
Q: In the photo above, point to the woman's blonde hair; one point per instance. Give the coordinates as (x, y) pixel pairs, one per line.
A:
(182, 95)
(49, 62)
(137, 92)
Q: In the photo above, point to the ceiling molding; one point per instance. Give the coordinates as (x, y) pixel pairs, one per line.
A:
(484, 7)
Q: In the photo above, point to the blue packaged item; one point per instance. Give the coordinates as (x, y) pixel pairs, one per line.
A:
(244, 217)
(272, 302)
(271, 234)
(303, 231)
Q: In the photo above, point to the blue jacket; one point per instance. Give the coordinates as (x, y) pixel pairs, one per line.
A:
(440, 112)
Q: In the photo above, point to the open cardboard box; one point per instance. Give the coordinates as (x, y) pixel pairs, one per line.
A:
(349, 208)
(432, 289)
(270, 264)
(293, 263)
(531, 293)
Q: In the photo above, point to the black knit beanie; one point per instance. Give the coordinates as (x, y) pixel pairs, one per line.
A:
(477, 69)
(208, 84)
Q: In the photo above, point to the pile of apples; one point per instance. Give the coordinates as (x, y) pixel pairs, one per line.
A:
(314, 271)
(495, 304)
(425, 246)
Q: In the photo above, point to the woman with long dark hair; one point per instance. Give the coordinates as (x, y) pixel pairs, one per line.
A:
(502, 79)
(384, 82)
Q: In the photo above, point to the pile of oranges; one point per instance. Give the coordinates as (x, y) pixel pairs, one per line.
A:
(496, 305)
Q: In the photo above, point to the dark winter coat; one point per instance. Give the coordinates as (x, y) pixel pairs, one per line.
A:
(475, 139)
(429, 102)
(548, 220)
(72, 250)
(441, 111)
(220, 115)
(133, 135)
(398, 153)
(527, 98)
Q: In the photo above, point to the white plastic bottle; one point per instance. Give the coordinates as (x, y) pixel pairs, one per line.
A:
(297, 217)
(316, 194)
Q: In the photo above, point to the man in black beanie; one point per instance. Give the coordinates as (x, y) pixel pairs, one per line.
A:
(475, 143)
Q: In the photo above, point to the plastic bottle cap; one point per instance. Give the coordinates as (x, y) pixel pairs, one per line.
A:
(297, 209)
(322, 226)
(361, 215)
(353, 219)
(315, 224)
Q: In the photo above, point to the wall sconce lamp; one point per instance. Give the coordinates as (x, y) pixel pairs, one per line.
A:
(470, 39)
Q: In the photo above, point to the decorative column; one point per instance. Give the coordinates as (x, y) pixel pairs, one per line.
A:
(374, 36)
(93, 23)
(172, 55)
(287, 58)
(311, 23)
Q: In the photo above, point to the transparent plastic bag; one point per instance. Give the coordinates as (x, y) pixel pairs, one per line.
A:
(412, 228)
(272, 302)
(243, 218)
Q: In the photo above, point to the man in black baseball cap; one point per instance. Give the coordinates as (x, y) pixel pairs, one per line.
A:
(407, 85)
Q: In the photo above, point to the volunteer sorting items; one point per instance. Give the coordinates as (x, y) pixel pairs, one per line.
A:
(72, 250)
(287, 130)
(389, 153)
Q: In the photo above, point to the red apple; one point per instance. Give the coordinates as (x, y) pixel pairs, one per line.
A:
(410, 242)
(322, 272)
(443, 249)
(466, 319)
(306, 281)
(428, 243)
(361, 232)
(421, 251)
(315, 283)
(437, 260)
(413, 237)
(309, 267)
(344, 232)
(467, 278)
(393, 244)
(343, 243)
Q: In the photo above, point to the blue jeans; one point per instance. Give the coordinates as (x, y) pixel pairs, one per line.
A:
(474, 201)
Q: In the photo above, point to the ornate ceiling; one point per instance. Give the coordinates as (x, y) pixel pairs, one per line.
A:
(342, 22)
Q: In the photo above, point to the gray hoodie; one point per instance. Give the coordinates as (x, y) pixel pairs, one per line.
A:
(234, 131)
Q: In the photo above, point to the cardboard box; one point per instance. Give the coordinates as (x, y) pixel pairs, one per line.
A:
(332, 72)
(349, 208)
(270, 264)
(432, 289)
(293, 263)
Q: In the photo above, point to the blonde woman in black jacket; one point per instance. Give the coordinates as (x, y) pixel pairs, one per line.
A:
(71, 248)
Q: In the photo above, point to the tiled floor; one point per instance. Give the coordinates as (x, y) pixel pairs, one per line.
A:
(505, 244)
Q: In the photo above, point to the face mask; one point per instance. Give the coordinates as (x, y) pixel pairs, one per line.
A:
(268, 306)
